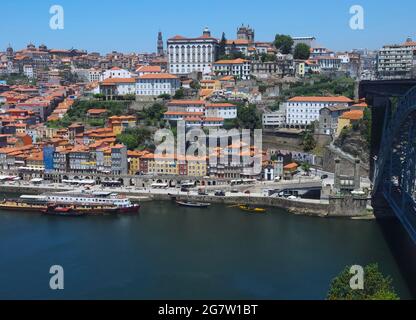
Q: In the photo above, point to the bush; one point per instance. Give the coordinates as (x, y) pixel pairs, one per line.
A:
(376, 286)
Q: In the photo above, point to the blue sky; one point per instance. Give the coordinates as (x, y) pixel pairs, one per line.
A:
(132, 25)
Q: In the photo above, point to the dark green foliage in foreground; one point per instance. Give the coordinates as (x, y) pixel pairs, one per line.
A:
(376, 286)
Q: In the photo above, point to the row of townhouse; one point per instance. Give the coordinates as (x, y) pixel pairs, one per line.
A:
(16, 159)
(105, 157)
(221, 163)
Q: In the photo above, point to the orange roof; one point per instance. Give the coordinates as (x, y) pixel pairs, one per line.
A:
(227, 78)
(220, 105)
(206, 92)
(235, 61)
(97, 111)
(35, 156)
(114, 81)
(361, 105)
(353, 115)
(149, 69)
(291, 166)
(214, 119)
(137, 153)
(321, 99)
(158, 76)
(187, 102)
(238, 42)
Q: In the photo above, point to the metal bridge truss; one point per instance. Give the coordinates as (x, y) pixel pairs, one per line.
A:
(395, 167)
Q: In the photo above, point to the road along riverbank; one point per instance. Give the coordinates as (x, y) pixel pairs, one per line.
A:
(351, 207)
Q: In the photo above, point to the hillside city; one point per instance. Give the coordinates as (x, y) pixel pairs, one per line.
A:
(79, 116)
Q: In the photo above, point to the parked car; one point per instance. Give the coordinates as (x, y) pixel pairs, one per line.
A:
(219, 193)
(234, 191)
(202, 192)
(291, 198)
(325, 176)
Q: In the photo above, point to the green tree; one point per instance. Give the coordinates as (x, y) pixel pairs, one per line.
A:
(306, 167)
(135, 138)
(302, 51)
(267, 57)
(99, 96)
(221, 48)
(376, 286)
(309, 142)
(179, 94)
(165, 96)
(195, 85)
(284, 43)
(248, 117)
(153, 114)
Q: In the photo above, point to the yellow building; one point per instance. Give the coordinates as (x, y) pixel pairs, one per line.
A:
(133, 158)
(35, 161)
(300, 69)
(347, 119)
(121, 123)
(163, 165)
(197, 167)
(210, 85)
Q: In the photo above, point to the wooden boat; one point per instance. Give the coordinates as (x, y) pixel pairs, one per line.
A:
(193, 204)
(11, 205)
(248, 208)
(63, 211)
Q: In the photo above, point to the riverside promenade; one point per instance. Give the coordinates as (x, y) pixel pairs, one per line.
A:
(318, 208)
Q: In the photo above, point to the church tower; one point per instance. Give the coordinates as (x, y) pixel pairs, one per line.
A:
(160, 51)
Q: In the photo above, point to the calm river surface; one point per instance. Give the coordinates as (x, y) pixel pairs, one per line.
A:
(168, 252)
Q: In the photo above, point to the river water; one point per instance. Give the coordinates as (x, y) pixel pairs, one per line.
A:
(169, 252)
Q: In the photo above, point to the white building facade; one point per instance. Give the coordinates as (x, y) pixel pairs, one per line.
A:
(187, 55)
(239, 68)
(305, 110)
(274, 119)
(116, 73)
(157, 84)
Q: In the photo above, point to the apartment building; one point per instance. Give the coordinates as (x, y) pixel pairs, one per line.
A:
(397, 61)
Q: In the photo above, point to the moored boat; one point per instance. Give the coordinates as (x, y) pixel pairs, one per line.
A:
(193, 204)
(248, 208)
(80, 203)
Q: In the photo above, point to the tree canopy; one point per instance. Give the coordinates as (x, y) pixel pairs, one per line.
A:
(376, 286)
(179, 94)
(134, 138)
(248, 117)
(221, 48)
(284, 43)
(302, 51)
